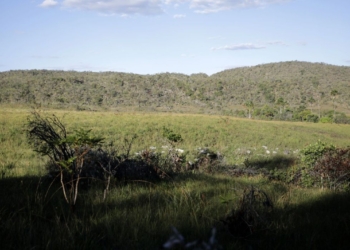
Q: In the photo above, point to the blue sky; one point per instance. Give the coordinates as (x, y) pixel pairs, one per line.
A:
(182, 36)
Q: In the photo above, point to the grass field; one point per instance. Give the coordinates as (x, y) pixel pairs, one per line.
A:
(236, 139)
(139, 215)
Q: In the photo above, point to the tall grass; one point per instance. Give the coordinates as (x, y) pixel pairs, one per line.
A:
(140, 215)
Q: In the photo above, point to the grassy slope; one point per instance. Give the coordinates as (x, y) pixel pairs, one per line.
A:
(230, 136)
(138, 216)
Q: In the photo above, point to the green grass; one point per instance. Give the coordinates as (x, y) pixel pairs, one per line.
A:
(232, 137)
(139, 215)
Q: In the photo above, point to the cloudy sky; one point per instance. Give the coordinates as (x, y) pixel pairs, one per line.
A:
(183, 36)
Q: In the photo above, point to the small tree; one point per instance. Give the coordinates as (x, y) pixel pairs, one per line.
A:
(334, 94)
(250, 106)
(312, 102)
(49, 137)
(281, 103)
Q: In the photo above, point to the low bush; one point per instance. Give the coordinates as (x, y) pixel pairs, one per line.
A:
(314, 152)
(322, 165)
(252, 215)
(207, 161)
(333, 169)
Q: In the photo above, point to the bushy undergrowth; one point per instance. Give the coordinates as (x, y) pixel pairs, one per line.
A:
(321, 165)
(77, 159)
(333, 169)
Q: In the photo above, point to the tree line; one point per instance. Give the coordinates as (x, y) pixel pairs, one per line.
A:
(288, 90)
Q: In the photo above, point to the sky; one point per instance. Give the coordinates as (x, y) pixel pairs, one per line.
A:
(177, 36)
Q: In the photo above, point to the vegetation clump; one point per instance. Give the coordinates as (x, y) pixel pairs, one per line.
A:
(251, 216)
(67, 153)
(333, 169)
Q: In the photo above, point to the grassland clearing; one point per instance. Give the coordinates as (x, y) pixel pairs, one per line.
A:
(139, 215)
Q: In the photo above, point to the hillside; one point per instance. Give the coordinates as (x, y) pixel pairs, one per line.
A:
(295, 83)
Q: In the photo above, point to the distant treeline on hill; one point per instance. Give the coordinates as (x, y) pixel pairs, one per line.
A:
(285, 91)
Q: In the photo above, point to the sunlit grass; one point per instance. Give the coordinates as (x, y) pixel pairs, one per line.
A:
(237, 139)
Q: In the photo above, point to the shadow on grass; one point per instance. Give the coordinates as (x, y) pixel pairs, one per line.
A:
(317, 224)
(138, 216)
(270, 162)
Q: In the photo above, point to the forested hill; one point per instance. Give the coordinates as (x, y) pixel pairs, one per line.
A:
(292, 83)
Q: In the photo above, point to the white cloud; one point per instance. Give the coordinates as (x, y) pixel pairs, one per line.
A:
(155, 7)
(209, 6)
(179, 16)
(48, 3)
(241, 46)
(144, 7)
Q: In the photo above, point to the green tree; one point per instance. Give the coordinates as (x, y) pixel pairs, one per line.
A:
(281, 103)
(334, 95)
(250, 107)
(312, 102)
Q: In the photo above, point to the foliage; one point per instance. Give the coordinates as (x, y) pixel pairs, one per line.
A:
(334, 168)
(312, 153)
(207, 161)
(67, 153)
(171, 135)
(279, 85)
(342, 119)
(326, 119)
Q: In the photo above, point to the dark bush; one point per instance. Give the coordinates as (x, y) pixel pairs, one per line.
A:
(207, 161)
(252, 214)
(131, 169)
(333, 169)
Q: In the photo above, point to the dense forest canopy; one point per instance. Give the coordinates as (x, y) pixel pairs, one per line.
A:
(279, 85)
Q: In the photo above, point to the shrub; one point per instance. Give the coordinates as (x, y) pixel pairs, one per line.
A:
(326, 119)
(207, 161)
(304, 174)
(171, 135)
(342, 119)
(314, 152)
(333, 168)
(67, 153)
(251, 216)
